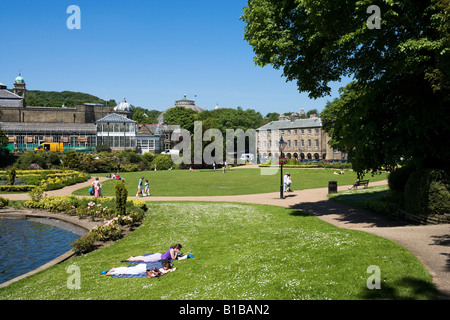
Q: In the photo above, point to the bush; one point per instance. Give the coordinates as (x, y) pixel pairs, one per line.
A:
(12, 176)
(398, 178)
(71, 160)
(102, 148)
(428, 192)
(121, 197)
(162, 161)
(84, 244)
(4, 202)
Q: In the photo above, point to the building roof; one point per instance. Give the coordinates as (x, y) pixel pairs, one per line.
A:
(186, 103)
(48, 128)
(296, 124)
(6, 94)
(114, 117)
(19, 79)
(123, 106)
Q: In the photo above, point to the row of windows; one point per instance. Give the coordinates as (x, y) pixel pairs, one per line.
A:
(290, 144)
(294, 132)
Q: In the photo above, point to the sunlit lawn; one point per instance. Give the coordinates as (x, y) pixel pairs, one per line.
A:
(240, 252)
(235, 181)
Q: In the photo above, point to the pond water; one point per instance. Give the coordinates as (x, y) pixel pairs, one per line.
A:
(26, 244)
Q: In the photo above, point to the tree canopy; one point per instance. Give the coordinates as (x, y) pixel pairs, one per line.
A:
(67, 98)
(397, 107)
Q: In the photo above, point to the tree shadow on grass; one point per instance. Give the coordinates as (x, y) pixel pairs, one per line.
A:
(347, 214)
(406, 288)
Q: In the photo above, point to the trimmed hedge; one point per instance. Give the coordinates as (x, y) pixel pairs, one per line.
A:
(398, 178)
(18, 188)
(428, 192)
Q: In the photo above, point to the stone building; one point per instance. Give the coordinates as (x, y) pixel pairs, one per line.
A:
(305, 140)
(13, 108)
(28, 126)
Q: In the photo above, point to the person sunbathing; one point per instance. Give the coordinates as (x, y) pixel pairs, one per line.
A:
(141, 268)
(171, 254)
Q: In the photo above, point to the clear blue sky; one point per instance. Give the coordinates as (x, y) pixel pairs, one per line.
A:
(150, 52)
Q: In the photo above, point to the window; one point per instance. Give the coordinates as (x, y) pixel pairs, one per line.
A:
(302, 143)
(316, 144)
(309, 131)
(309, 143)
(295, 144)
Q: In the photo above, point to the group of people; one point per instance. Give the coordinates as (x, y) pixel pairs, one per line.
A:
(143, 188)
(96, 189)
(141, 266)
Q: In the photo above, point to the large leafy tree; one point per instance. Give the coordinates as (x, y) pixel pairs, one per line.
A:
(397, 108)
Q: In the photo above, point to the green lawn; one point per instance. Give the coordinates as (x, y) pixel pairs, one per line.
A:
(235, 181)
(358, 198)
(240, 252)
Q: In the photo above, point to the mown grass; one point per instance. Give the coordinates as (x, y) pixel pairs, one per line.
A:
(358, 198)
(240, 252)
(206, 182)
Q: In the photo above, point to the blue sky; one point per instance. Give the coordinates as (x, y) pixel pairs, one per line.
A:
(149, 52)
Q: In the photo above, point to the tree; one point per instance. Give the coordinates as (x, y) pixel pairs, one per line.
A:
(144, 116)
(397, 108)
(183, 116)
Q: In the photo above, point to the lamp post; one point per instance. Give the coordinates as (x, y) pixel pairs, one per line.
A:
(281, 145)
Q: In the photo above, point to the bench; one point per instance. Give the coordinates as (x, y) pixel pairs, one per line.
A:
(364, 183)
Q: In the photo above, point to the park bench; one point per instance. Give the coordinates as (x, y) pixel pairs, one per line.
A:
(364, 183)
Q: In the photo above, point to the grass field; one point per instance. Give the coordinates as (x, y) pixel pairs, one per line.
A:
(235, 181)
(240, 252)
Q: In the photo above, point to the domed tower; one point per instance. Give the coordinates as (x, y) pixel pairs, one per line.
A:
(124, 108)
(20, 88)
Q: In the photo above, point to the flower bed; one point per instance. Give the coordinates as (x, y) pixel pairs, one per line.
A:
(49, 179)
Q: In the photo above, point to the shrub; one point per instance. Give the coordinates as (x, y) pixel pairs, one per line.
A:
(84, 244)
(162, 161)
(121, 197)
(428, 192)
(109, 230)
(37, 193)
(398, 178)
(102, 148)
(71, 160)
(12, 176)
(4, 202)
(382, 205)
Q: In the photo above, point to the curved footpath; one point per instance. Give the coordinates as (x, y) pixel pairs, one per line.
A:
(430, 243)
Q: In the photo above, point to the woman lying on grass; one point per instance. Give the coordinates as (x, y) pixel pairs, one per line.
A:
(141, 269)
(171, 254)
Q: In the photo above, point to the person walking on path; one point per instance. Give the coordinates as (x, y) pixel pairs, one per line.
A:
(140, 188)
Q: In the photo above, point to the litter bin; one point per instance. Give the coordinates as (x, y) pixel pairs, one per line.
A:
(332, 187)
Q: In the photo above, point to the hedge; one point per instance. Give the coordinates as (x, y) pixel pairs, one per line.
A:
(428, 192)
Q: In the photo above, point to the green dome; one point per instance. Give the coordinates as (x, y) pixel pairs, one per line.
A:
(19, 79)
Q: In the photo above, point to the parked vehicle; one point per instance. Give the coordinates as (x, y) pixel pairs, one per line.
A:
(50, 146)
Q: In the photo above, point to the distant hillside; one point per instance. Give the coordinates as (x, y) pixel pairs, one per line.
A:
(67, 98)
